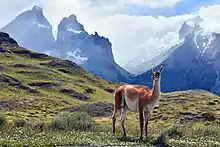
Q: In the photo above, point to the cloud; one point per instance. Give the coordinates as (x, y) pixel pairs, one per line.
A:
(9, 9)
(131, 36)
(134, 36)
(153, 3)
(211, 15)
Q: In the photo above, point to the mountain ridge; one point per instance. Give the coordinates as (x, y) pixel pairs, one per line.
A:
(91, 51)
(194, 64)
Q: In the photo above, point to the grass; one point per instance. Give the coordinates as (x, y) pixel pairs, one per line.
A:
(33, 114)
(29, 70)
(37, 133)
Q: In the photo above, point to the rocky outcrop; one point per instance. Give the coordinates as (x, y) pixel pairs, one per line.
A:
(5, 39)
(75, 94)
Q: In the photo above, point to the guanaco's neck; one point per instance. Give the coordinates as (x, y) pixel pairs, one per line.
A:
(156, 89)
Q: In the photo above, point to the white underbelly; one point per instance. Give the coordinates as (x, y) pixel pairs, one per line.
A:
(132, 104)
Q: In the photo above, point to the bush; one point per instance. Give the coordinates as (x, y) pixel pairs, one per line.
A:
(2, 121)
(79, 121)
(20, 123)
(209, 116)
(210, 130)
(161, 141)
(36, 125)
(175, 132)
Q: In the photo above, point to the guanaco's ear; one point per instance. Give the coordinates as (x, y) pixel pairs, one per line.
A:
(161, 68)
(153, 70)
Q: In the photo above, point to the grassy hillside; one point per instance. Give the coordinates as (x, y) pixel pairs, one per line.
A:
(33, 84)
(38, 94)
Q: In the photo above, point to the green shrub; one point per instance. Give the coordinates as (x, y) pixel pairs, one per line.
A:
(175, 132)
(36, 125)
(20, 123)
(3, 121)
(210, 130)
(80, 121)
(161, 141)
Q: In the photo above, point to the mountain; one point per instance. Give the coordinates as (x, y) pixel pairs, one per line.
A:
(194, 64)
(70, 37)
(92, 52)
(31, 30)
(141, 64)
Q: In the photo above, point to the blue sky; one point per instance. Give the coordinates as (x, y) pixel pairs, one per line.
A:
(183, 7)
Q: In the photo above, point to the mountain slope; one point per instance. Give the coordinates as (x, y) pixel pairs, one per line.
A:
(30, 80)
(194, 64)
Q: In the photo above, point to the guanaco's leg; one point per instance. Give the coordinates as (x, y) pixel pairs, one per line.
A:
(141, 119)
(115, 113)
(117, 107)
(146, 118)
(123, 117)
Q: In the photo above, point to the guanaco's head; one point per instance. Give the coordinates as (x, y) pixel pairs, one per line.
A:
(156, 74)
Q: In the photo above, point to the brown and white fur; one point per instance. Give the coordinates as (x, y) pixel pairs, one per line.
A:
(139, 99)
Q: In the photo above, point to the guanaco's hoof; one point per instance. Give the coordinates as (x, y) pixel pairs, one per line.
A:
(141, 139)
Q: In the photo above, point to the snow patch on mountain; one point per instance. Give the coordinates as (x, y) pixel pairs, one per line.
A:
(47, 53)
(74, 31)
(76, 55)
(195, 37)
(41, 25)
(210, 39)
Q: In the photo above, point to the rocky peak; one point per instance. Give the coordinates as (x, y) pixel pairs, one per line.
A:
(100, 40)
(190, 26)
(37, 9)
(71, 24)
(73, 18)
(185, 30)
(96, 34)
(6, 39)
(31, 30)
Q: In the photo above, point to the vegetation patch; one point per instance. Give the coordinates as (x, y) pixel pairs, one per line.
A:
(95, 110)
(89, 90)
(3, 121)
(78, 121)
(1, 68)
(110, 90)
(43, 84)
(15, 82)
(14, 105)
(28, 66)
(58, 63)
(75, 94)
